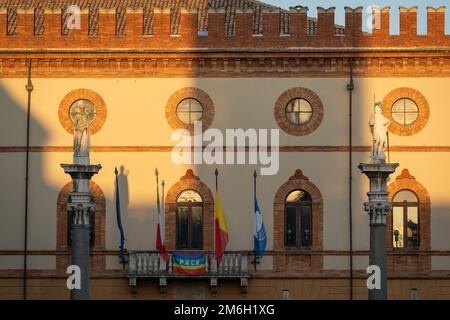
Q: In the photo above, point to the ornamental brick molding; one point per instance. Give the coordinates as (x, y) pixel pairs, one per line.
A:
(301, 129)
(97, 262)
(306, 262)
(233, 65)
(85, 94)
(189, 182)
(408, 260)
(422, 104)
(184, 93)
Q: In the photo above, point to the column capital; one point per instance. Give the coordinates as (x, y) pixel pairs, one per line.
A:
(377, 212)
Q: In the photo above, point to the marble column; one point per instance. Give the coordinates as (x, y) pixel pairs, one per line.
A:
(378, 207)
(80, 207)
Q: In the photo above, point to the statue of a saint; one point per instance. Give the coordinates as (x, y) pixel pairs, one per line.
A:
(81, 141)
(379, 126)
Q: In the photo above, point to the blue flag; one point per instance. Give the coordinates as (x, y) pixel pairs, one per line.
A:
(259, 233)
(119, 221)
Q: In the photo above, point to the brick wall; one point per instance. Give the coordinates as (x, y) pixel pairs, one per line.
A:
(259, 289)
(173, 28)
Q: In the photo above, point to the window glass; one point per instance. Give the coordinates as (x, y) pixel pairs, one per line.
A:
(305, 222)
(189, 220)
(189, 196)
(189, 110)
(298, 195)
(405, 111)
(82, 106)
(298, 220)
(182, 227)
(398, 227)
(298, 111)
(291, 221)
(197, 227)
(405, 195)
(413, 227)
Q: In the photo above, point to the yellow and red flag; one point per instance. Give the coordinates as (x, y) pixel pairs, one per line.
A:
(221, 230)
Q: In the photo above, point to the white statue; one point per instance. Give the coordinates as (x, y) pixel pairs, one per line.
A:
(81, 135)
(379, 126)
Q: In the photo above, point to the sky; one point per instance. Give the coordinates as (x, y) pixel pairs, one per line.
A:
(394, 4)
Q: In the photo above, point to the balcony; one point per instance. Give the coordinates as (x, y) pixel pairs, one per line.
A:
(144, 265)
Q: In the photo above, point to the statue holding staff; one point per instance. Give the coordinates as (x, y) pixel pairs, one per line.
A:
(379, 126)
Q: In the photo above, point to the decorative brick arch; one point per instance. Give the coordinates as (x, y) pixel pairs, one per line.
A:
(410, 261)
(298, 263)
(97, 261)
(406, 181)
(189, 182)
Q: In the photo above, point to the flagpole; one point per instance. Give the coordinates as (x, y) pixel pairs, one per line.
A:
(163, 184)
(255, 175)
(119, 220)
(116, 172)
(216, 173)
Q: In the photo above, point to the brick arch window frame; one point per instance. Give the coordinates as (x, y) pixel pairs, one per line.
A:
(298, 260)
(301, 129)
(405, 181)
(298, 182)
(193, 93)
(421, 103)
(189, 182)
(97, 262)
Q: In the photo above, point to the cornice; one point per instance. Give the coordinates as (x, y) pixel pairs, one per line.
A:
(221, 65)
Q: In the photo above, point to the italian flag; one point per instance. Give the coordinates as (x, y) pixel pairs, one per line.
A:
(221, 230)
(159, 232)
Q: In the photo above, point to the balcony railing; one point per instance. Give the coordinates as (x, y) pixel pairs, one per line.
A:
(234, 265)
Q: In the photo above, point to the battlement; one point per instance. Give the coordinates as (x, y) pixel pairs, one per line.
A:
(182, 24)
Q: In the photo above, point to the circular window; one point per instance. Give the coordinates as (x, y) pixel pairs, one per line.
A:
(189, 110)
(82, 106)
(188, 105)
(405, 111)
(408, 111)
(82, 101)
(298, 111)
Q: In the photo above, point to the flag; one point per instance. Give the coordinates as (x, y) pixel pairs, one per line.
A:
(119, 221)
(159, 235)
(221, 229)
(259, 232)
(189, 263)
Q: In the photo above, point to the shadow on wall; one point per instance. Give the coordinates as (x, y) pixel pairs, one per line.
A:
(41, 214)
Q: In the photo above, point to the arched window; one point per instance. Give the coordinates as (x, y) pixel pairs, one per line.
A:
(405, 220)
(298, 220)
(189, 221)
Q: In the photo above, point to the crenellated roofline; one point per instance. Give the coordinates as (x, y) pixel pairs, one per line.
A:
(203, 25)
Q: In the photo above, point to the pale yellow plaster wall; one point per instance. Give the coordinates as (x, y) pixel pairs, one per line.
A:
(136, 116)
(137, 107)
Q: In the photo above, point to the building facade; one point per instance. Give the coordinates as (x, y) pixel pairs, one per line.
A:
(143, 69)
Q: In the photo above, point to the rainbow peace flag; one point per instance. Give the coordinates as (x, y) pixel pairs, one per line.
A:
(189, 263)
